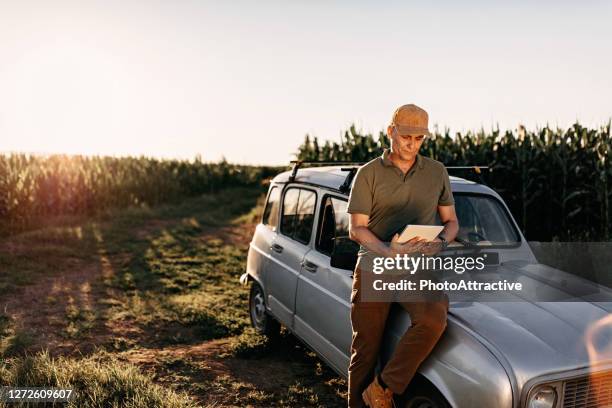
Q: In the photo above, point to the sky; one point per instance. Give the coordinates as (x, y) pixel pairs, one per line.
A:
(247, 80)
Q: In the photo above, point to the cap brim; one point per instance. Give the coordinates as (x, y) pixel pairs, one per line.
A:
(411, 130)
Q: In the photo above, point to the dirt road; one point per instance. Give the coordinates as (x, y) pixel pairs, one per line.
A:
(156, 289)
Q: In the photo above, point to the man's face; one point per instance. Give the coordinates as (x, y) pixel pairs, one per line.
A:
(405, 146)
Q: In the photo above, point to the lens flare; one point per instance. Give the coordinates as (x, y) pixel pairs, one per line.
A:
(599, 347)
(597, 338)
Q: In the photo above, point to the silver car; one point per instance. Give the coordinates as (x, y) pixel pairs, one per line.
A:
(493, 354)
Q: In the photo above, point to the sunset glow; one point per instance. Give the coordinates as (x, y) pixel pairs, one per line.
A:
(172, 79)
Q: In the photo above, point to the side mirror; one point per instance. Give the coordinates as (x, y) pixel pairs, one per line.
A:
(344, 254)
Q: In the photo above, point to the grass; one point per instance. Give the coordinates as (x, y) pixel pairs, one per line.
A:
(146, 302)
(97, 381)
(12, 342)
(80, 320)
(183, 281)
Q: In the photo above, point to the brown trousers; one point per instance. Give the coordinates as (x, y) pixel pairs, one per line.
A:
(368, 320)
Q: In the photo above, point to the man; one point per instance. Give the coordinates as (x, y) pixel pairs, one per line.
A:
(399, 188)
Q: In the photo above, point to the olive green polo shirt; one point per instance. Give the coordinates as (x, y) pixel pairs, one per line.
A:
(393, 199)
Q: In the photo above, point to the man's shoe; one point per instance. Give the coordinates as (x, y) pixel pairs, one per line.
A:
(375, 396)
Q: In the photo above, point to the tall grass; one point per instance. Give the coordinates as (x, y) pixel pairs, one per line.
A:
(97, 381)
(557, 183)
(34, 187)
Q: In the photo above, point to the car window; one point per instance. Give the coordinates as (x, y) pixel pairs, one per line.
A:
(289, 210)
(333, 224)
(298, 214)
(270, 215)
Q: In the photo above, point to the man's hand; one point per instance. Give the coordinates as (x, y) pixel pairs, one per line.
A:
(416, 245)
(413, 246)
(431, 248)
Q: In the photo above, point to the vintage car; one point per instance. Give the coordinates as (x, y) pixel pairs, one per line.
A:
(521, 353)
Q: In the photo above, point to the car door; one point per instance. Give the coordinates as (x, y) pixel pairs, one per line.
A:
(323, 293)
(260, 246)
(288, 248)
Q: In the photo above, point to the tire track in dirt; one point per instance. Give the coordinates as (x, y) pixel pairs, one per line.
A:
(78, 293)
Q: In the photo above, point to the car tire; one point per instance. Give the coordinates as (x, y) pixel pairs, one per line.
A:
(422, 394)
(260, 319)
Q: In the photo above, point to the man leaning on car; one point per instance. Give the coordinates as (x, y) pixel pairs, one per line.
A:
(389, 192)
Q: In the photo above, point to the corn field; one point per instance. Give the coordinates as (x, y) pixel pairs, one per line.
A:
(557, 183)
(36, 187)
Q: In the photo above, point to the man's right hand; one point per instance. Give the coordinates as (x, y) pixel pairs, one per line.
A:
(409, 247)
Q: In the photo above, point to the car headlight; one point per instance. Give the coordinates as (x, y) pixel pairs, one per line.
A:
(543, 397)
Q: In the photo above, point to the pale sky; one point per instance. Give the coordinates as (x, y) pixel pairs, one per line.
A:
(248, 79)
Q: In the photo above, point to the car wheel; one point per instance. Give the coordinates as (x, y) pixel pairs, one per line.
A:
(422, 394)
(425, 402)
(260, 319)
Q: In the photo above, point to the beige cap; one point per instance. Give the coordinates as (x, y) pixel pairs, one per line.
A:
(410, 120)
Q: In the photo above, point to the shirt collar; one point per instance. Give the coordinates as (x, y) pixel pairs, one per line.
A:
(387, 161)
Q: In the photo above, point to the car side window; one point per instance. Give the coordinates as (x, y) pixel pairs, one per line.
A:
(270, 215)
(289, 210)
(298, 214)
(333, 224)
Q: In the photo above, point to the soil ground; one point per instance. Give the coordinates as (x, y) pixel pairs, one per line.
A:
(157, 289)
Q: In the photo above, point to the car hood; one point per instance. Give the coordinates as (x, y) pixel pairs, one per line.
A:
(540, 337)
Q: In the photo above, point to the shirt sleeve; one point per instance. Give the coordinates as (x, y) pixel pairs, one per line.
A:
(360, 200)
(446, 195)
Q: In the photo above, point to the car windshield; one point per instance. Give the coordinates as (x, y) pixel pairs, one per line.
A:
(483, 221)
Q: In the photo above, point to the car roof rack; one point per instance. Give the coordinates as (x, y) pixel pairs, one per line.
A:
(346, 186)
(477, 169)
(297, 164)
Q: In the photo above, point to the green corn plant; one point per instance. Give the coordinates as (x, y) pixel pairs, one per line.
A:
(36, 187)
(556, 182)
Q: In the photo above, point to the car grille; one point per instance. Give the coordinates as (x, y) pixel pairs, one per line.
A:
(592, 391)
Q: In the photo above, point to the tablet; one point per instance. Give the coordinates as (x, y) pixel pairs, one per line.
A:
(428, 232)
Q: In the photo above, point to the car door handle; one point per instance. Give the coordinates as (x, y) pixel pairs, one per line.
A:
(277, 248)
(309, 266)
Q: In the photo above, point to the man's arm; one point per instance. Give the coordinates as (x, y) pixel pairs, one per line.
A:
(446, 210)
(451, 227)
(360, 233)
(448, 216)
